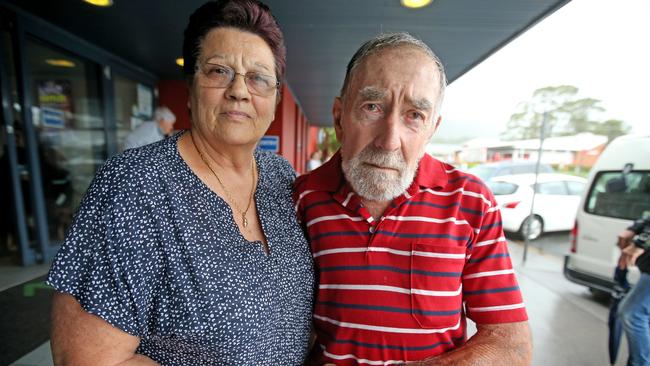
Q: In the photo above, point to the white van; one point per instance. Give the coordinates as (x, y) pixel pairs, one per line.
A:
(611, 202)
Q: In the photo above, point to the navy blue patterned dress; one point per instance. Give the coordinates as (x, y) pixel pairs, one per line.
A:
(154, 252)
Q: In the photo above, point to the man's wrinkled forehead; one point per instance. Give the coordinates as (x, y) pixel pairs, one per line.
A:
(370, 93)
(398, 55)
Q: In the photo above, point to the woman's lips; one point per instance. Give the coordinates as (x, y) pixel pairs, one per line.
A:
(236, 115)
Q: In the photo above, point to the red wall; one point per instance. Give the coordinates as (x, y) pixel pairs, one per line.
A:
(312, 140)
(173, 94)
(290, 123)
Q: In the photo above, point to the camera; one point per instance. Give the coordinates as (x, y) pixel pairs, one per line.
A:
(642, 240)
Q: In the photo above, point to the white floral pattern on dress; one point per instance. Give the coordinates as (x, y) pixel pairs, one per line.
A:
(154, 252)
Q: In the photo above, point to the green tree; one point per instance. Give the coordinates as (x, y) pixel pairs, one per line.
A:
(612, 128)
(578, 115)
(526, 122)
(566, 114)
(330, 143)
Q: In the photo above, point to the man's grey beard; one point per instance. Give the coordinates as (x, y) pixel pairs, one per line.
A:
(376, 184)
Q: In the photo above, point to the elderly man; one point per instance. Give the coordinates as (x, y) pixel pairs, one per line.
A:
(151, 131)
(406, 246)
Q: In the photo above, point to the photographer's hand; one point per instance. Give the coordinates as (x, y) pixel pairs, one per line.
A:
(625, 238)
(629, 256)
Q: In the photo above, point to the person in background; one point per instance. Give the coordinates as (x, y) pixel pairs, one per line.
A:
(315, 160)
(188, 251)
(151, 131)
(634, 310)
(405, 246)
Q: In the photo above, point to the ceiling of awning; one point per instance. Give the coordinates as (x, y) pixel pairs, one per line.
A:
(321, 36)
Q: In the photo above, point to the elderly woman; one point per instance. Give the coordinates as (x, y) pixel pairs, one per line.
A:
(187, 251)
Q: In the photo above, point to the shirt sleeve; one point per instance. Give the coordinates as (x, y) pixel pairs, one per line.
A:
(638, 225)
(101, 262)
(298, 188)
(490, 289)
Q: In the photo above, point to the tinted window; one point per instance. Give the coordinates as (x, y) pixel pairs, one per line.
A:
(629, 200)
(505, 171)
(522, 169)
(483, 172)
(530, 168)
(501, 188)
(575, 188)
(557, 188)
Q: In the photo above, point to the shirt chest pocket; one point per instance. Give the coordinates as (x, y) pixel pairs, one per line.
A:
(436, 286)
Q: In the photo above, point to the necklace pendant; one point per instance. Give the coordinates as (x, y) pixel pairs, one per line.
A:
(244, 221)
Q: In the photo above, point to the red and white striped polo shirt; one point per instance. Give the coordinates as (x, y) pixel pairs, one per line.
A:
(398, 288)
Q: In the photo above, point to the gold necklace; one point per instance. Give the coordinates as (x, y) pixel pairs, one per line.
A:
(225, 190)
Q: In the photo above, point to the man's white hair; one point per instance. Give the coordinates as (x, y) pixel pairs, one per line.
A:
(164, 113)
(395, 40)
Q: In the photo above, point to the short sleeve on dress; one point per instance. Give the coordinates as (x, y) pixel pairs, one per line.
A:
(98, 262)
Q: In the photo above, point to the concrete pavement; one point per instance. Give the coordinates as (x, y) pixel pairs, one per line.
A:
(569, 326)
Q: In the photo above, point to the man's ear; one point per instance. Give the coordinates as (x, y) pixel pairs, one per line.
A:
(337, 111)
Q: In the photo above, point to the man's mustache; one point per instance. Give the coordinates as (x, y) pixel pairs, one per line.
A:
(392, 160)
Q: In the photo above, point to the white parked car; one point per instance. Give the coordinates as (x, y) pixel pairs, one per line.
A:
(556, 202)
(489, 171)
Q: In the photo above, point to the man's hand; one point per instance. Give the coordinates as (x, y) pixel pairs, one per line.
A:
(629, 255)
(493, 344)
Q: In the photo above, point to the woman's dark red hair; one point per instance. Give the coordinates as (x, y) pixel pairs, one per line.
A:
(248, 15)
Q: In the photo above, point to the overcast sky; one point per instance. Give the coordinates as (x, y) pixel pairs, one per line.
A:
(600, 46)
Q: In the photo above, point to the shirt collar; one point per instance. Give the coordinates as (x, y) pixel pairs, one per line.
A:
(327, 177)
(431, 173)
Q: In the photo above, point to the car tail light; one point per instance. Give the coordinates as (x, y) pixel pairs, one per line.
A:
(511, 204)
(574, 238)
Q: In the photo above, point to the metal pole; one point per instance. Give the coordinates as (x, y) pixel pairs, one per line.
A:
(532, 204)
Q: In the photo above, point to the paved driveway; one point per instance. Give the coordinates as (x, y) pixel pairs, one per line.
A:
(569, 326)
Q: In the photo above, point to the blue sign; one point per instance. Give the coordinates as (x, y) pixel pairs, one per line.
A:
(53, 117)
(269, 143)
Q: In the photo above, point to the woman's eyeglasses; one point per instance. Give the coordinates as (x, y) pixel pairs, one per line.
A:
(219, 76)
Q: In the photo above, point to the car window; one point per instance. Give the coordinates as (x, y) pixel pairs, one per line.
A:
(501, 188)
(486, 172)
(530, 168)
(575, 188)
(557, 188)
(522, 169)
(628, 200)
(483, 172)
(505, 171)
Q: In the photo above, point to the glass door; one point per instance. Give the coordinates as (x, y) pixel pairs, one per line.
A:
(17, 237)
(67, 120)
(133, 105)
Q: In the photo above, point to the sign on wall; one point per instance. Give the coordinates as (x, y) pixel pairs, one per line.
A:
(145, 101)
(269, 143)
(55, 101)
